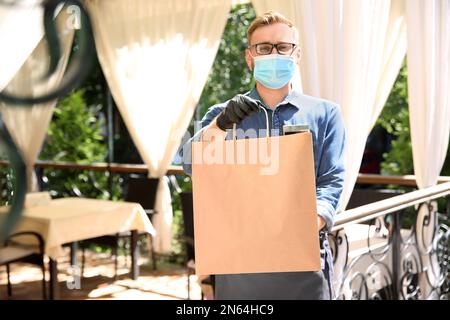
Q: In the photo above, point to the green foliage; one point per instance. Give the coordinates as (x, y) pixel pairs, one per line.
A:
(395, 119)
(6, 185)
(6, 175)
(75, 135)
(230, 74)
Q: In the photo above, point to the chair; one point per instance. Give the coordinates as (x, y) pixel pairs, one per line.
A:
(188, 236)
(14, 251)
(143, 191)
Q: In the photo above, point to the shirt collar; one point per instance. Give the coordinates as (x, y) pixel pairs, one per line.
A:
(291, 98)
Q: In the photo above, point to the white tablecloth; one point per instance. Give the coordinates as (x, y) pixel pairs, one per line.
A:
(66, 220)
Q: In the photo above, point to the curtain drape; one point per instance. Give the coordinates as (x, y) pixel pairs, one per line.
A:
(429, 86)
(156, 56)
(429, 111)
(352, 52)
(21, 30)
(28, 124)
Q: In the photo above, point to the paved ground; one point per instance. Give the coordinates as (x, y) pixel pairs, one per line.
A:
(167, 282)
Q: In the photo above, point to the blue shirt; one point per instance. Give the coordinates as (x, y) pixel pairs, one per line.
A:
(327, 128)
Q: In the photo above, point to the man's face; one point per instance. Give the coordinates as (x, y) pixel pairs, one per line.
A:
(274, 33)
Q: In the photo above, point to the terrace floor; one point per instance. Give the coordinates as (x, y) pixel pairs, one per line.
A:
(167, 282)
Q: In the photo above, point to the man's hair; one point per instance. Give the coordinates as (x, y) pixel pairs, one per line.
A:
(268, 18)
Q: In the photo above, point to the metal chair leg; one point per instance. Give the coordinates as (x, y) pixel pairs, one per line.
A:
(83, 260)
(127, 251)
(114, 252)
(189, 285)
(44, 291)
(153, 253)
(9, 281)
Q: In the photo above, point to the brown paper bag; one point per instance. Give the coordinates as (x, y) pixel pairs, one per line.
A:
(249, 221)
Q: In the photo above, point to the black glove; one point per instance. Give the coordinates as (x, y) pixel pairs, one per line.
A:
(235, 111)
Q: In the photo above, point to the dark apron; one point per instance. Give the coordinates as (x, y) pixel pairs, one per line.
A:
(282, 285)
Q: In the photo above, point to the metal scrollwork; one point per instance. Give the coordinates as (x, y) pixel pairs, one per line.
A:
(443, 257)
(409, 282)
(422, 252)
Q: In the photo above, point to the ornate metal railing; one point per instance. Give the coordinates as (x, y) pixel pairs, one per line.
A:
(377, 257)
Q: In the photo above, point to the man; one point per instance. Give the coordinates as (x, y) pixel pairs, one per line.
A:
(272, 55)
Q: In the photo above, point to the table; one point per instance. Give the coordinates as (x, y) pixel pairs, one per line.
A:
(69, 220)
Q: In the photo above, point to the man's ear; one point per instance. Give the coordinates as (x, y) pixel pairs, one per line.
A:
(249, 59)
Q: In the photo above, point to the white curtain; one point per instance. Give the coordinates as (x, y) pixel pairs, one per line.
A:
(21, 29)
(429, 111)
(352, 52)
(429, 86)
(156, 56)
(28, 124)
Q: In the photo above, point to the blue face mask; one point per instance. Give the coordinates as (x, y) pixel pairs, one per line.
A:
(274, 71)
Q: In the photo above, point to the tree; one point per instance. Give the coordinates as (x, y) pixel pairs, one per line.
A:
(75, 135)
(6, 184)
(395, 119)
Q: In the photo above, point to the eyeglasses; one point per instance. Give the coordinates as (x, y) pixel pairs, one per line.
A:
(283, 48)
